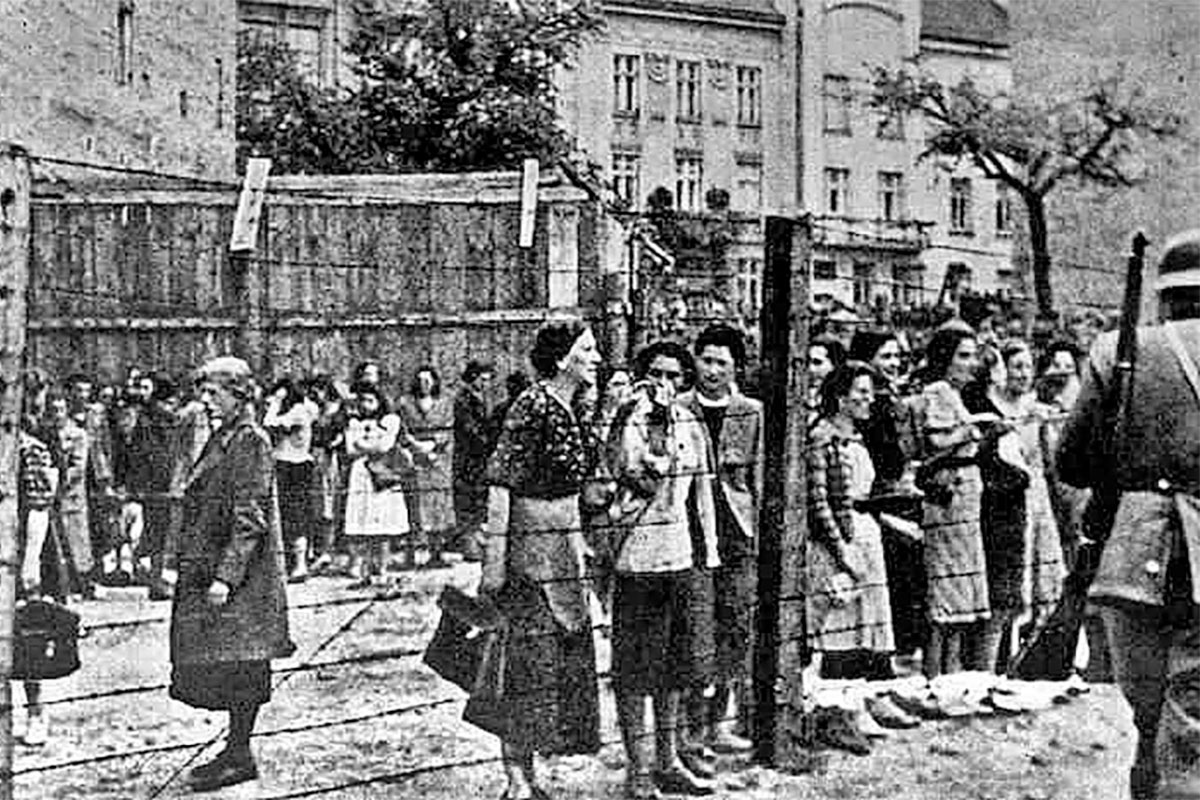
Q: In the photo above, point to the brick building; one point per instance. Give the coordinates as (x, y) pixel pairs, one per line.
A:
(142, 83)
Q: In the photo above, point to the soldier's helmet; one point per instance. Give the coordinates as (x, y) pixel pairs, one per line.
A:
(1180, 263)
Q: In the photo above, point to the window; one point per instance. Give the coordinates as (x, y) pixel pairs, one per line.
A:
(837, 104)
(891, 196)
(864, 274)
(689, 180)
(747, 192)
(749, 96)
(625, 177)
(960, 205)
(837, 190)
(626, 70)
(1003, 210)
(824, 270)
(749, 282)
(687, 91)
(908, 284)
(891, 125)
(303, 30)
(125, 42)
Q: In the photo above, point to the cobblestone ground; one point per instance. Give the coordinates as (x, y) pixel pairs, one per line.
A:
(1073, 752)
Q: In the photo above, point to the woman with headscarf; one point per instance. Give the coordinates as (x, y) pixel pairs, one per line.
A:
(533, 565)
(229, 617)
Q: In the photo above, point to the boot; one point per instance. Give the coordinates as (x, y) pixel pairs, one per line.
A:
(1144, 777)
(639, 754)
(672, 777)
(693, 752)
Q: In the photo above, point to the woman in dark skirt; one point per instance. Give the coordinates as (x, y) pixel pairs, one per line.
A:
(532, 566)
(229, 617)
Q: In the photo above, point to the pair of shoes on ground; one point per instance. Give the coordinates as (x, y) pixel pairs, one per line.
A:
(227, 769)
(699, 759)
(676, 780)
(725, 742)
(884, 711)
(839, 728)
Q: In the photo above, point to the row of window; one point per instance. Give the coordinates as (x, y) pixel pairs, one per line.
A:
(891, 201)
(689, 182)
(689, 85)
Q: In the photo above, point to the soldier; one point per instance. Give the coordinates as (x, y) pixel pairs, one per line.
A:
(1148, 579)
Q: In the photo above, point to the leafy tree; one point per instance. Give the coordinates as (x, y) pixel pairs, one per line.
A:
(1033, 146)
(282, 115)
(439, 85)
(461, 84)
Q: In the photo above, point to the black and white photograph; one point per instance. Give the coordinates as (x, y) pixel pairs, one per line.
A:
(600, 399)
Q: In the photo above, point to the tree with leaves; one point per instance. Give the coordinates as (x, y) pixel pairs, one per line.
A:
(443, 85)
(1033, 146)
(284, 116)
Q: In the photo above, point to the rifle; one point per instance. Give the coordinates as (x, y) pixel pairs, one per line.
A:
(1059, 631)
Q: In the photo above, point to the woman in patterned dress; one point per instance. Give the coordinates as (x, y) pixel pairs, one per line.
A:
(533, 565)
(955, 563)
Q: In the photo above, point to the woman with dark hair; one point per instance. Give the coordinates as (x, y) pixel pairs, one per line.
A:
(849, 609)
(665, 545)
(955, 564)
(229, 617)
(533, 565)
(428, 420)
(289, 417)
(376, 509)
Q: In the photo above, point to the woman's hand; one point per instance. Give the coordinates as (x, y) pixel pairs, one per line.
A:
(218, 594)
(841, 584)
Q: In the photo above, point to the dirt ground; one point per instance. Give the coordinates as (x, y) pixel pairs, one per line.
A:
(1074, 752)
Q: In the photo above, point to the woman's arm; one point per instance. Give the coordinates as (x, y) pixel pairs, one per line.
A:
(495, 547)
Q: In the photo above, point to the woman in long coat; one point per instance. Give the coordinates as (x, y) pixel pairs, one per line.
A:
(229, 617)
(533, 565)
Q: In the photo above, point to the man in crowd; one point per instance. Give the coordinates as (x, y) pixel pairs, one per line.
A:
(1148, 579)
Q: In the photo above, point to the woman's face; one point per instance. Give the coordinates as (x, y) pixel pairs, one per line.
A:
(219, 401)
(583, 359)
(1062, 364)
(963, 363)
(369, 374)
(1020, 372)
(618, 387)
(715, 370)
(819, 365)
(857, 403)
(887, 359)
(666, 375)
(368, 404)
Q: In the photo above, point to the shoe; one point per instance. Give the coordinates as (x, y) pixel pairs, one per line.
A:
(836, 728)
(37, 731)
(209, 767)
(297, 577)
(920, 706)
(679, 780)
(868, 726)
(884, 711)
(694, 758)
(725, 741)
(229, 772)
(641, 787)
(958, 706)
(1076, 685)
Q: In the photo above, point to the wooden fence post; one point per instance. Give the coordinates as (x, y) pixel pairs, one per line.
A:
(780, 656)
(14, 265)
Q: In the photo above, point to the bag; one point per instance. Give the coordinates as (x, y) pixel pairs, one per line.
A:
(46, 641)
(488, 706)
(457, 648)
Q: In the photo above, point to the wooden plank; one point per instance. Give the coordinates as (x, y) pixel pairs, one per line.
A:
(529, 201)
(160, 247)
(479, 268)
(447, 256)
(563, 257)
(507, 258)
(244, 237)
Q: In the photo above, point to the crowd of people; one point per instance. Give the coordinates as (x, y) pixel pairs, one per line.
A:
(938, 527)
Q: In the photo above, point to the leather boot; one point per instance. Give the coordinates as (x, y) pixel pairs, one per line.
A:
(1144, 777)
(639, 749)
(671, 776)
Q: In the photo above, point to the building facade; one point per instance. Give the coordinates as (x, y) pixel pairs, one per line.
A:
(140, 83)
(891, 229)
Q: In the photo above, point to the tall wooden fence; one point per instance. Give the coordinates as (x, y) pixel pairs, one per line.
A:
(405, 270)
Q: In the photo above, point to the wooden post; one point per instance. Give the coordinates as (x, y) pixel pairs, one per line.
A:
(249, 274)
(781, 651)
(14, 265)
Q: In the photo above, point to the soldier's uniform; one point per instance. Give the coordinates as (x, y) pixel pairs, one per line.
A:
(1148, 580)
